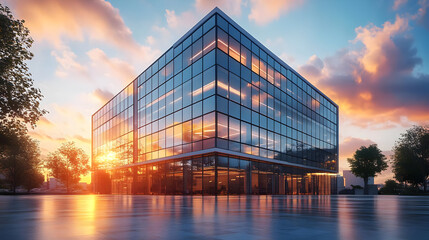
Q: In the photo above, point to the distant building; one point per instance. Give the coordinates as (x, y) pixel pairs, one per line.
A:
(54, 183)
(350, 179)
(340, 183)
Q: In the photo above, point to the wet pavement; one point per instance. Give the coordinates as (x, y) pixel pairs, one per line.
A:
(238, 217)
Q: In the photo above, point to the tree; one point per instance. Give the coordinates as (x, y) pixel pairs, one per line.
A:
(67, 164)
(19, 99)
(411, 156)
(367, 162)
(390, 187)
(19, 156)
(33, 179)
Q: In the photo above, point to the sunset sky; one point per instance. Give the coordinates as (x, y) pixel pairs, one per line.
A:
(370, 57)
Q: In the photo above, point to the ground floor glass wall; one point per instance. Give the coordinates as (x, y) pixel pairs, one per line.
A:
(214, 175)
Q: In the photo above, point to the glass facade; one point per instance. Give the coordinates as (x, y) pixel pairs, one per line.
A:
(218, 113)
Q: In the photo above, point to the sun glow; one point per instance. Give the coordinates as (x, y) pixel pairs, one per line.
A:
(106, 160)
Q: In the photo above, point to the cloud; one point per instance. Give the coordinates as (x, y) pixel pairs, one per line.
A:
(398, 3)
(70, 125)
(82, 139)
(67, 63)
(111, 67)
(53, 20)
(349, 146)
(231, 7)
(314, 67)
(102, 95)
(44, 121)
(373, 81)
(180, 23)
(422, 14)
(265, 11)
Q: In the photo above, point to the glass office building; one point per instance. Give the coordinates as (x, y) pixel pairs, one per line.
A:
(217, 114)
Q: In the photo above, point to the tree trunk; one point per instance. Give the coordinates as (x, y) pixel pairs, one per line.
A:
(365, 188)
(67, 180)
(424, 186)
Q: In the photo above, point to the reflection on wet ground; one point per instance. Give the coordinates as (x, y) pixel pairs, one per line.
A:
(238, 217)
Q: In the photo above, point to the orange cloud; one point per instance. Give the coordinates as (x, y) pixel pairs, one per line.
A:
(102, 95)
(374, 81)
(111, 67)
(52, 20)
(70, 125)
(265, 11)
(376, 41)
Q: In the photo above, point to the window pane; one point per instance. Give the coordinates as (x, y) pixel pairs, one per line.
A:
(234, 87)
(222, 41)
(197, 50)
(178, 98)
(161, 140)
(234, 49)
(209, 104)
(234, 109)
(169, 137)
(222, 82)
(178, 64)
(197, 109)
(209, 60)
(234, 129)
(197, 129)
(187, 132)
(187, 93)
(178, 135)
(222, 175)
(222, 126)
(169, 70)
(245, 57)
(197, 88)
(255, 63)
(209, 41)
(246, 136)
(209, 82)
(255, 135)
(209, 125)
(263, 69)
(246, 94)
(255, 99)
(187, 57)
(263, 138)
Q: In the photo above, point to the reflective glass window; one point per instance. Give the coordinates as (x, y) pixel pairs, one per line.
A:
(209, 125)
(222, 126)
(234, 129)
(209, 41)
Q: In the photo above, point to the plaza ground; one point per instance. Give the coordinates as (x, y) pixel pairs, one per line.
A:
(234, 217)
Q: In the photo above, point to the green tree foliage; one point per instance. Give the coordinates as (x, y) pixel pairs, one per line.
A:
(391, 187)
(67, 164)
(411, 156)
(19, 99)
(367, 162)
(19, 157)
